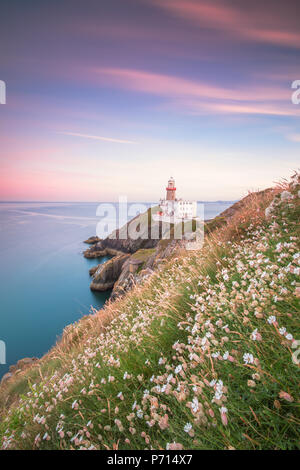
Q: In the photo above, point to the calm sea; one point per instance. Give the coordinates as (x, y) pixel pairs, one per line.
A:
(44, 279)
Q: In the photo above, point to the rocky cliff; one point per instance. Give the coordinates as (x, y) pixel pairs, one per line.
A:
(135, 257)
(106, 274)
(134, 235)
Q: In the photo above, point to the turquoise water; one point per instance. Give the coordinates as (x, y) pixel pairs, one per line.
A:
(44, 278)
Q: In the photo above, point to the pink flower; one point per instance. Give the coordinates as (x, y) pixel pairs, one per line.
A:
(223, 412)
(174, 446)
(286, 396)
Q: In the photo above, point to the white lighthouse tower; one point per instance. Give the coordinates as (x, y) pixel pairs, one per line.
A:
(173, 208)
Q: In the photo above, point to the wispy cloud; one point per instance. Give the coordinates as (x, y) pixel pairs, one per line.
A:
(169, 85)
(97, 137)
(200, 97)
(251, 23)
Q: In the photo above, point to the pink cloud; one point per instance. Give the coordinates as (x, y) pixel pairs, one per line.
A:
(97, 137)
(254, 24)
(168, 85)
(194, 96)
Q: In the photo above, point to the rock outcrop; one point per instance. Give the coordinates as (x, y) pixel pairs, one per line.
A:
(135, 257)
(133, 236)
(141, 265)
(92, 240)
(107, 273)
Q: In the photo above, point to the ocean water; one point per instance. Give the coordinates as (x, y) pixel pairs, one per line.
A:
(44, 278)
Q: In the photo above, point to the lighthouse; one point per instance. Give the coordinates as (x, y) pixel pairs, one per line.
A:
(171, 190)
(173, 208)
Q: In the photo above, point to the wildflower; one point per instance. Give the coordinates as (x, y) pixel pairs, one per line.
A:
(178, 369)
(248, 358)
(286, 396)
(75, 405)
(219, 390)
(277, 404)
(255, 336)
(215, 354)
(195, 405)
(223, 412)
(188, 427)
(139, 414)
(119, 425)
(282, 331)
(251, 383)
(272, 319)
(289, 337)
(163, 422)
(174, 446)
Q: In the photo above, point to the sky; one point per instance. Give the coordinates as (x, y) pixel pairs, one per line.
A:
(111, 98)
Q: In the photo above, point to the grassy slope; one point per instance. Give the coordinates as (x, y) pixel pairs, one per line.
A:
(194, 356)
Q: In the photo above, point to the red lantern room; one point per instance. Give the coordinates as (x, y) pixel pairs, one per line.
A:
(171, 190)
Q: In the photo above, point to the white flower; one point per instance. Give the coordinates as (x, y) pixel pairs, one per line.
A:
(289, 337)
(225, 355)
(195, 405)
(215, 354)
(282, 330)
(248, 358)
(219, 390)
(187, 427)
(139, 414)
(272, 319)
(178, 369)
(285, 195)
(254, 334)
(223, 409)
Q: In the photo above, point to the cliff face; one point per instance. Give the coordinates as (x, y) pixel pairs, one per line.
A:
(141, 264)
(107, 273)
(135, 253)
(143, 253)
(133, 236)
